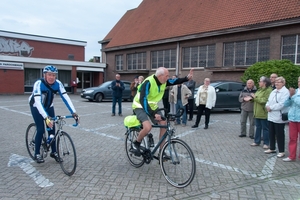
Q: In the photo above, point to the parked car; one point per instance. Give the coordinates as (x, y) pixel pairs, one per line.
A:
(227, 94)
(104, 92)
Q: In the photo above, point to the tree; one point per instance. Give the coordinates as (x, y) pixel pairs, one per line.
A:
(284, 68)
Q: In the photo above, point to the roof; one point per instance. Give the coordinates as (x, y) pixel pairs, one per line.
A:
(155, 20)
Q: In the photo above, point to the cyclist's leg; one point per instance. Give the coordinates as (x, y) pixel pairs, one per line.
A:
(143, 118)
(162, 132)
(51, 113)
(39, 122)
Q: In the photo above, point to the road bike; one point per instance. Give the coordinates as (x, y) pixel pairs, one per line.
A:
(176, 158)
(64, 144)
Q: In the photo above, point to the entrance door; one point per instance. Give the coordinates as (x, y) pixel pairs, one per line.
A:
(84, 80)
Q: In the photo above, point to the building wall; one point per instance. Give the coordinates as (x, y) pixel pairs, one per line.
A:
(40, 49)
(12, 81)
(218, 72)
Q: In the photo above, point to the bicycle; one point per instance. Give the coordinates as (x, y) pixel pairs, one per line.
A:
(176, 158)
(64, 144)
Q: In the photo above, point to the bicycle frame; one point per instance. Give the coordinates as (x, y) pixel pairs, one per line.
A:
(167, 135)
(60, 121)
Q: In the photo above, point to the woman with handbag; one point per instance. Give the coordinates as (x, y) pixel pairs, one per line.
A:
(275, 108)
(293, 102)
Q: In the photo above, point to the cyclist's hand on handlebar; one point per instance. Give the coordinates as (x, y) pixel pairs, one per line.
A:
(76, 117)
(49, 122)
(159, 117)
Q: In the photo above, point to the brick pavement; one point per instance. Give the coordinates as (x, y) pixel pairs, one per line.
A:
(227, 167)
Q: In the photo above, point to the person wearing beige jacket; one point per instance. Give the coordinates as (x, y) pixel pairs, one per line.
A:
(181, 93)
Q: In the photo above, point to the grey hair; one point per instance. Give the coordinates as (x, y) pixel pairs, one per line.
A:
(160, 71)
(280, 78)
(266, 80)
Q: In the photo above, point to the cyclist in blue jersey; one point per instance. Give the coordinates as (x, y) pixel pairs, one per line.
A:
(41, 106)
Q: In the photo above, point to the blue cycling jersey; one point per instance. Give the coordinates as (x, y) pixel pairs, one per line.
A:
(42, 96)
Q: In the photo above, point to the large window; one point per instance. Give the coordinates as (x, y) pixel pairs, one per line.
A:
(31, 76)
(200, 56)
(119, 62)
(163, 58)
(290, 48)
(246, 53)
(65, 77)
(136, 61)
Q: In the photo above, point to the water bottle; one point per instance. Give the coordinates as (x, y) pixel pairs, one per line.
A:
(150, 140)
(50, 138)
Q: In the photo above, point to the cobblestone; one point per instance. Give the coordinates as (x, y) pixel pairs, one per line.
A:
(227, 167)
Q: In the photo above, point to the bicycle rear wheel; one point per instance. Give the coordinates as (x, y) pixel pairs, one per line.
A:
(67, 153)
(136, 161)
(30, 139)
(177, 163)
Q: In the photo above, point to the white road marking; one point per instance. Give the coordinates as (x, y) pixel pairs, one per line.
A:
(24, 164)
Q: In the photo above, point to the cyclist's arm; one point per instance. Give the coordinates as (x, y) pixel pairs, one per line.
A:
(176, 81)
(65, 97)
(37, 95)
(144, 92)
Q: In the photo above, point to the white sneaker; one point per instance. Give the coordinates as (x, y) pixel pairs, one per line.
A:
(280, 155)
(265, 146)
(287, 159)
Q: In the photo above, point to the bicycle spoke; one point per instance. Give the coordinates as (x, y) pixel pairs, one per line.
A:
(179, 168)
(30, 138)
(136, 161)
(67, 153)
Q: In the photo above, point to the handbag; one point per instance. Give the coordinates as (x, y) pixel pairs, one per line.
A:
(284, 116)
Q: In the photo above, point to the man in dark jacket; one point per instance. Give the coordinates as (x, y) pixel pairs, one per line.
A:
(117, 86)
(190, 106)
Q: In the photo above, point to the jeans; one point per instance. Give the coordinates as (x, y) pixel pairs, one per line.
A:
(40, 128)
(262, 125)
(178, 106)
(294, 134)
(115, 100)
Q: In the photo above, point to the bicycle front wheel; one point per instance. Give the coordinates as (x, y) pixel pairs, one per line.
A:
(136, 161)
(66, 153)
(177, 163)
(30, 139)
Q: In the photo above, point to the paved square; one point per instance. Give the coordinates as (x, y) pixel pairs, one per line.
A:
(227, 166)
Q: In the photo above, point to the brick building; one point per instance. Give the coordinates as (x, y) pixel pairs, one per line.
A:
(220, 39)
(23, 56)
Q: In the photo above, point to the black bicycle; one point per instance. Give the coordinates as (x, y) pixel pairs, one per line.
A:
(64, 144)
(176, 158)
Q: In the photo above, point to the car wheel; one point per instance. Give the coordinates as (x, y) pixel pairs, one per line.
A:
(99, 97)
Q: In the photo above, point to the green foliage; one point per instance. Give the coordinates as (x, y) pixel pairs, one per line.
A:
(284, 68)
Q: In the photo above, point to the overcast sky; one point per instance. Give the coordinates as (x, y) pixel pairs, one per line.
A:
(84, 20)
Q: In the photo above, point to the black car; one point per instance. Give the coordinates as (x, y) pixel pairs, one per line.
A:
(227, 94)
(104, 92)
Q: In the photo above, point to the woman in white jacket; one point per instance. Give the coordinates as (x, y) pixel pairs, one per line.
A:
(275, 106)
(205, 99)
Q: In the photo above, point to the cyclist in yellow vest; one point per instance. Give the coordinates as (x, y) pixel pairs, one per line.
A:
(145, 102)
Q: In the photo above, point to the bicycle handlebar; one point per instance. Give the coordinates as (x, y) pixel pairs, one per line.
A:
(60, 117)
(169, 116)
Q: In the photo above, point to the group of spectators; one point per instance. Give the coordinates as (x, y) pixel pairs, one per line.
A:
(182, 96)
(264, 108)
